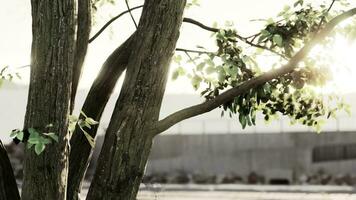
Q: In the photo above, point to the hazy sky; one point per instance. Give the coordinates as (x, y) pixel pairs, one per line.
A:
(15, 34)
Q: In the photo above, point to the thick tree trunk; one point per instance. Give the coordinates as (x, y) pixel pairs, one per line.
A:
(53, 28)
(93, 107)
(127, 144)
(8, 186)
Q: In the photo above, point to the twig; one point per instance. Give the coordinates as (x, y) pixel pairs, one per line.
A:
(244, 39)
(194, 51)
(111, 21)
(323, 18)
(132, 17)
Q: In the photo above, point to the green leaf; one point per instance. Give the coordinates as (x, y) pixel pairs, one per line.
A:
(86, 124)
(243, 121)
(82, 112)
(29, 145)
(210, 70)
(14, 133)
(39, 148)
(209, 62)
(45, 140)
(270, 21)
(53, 136)
(34, 140)
(200, 66)
(278, 40)
(33, 132)
(19, 135)
(299, 2)
(175, 75)
(89, 137)
(91, 121)
(221, 75)
(196, 80)
(264, 34)
(177, 59)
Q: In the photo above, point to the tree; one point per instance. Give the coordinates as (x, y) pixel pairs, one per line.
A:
(238, 88)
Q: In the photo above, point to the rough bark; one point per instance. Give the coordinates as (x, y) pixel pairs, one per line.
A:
(94, 105)
(8, 186)
(53, 30)
(127, 145)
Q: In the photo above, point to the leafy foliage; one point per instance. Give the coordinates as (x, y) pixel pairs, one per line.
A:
(33, 137)
(291, 95)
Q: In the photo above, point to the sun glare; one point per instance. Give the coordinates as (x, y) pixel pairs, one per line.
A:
(343, 66)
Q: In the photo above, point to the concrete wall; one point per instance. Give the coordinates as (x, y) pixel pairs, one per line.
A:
(266, 154)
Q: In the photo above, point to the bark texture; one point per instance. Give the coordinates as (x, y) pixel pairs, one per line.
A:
(127, 145)
(93, 107)
(53, 30)
(8, 186)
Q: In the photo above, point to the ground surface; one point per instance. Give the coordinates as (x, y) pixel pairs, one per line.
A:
(240, 195)
(242, 192)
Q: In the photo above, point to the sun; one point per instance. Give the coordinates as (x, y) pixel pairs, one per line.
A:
(342, 66)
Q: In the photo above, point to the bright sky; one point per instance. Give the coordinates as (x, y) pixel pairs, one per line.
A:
(15, 36)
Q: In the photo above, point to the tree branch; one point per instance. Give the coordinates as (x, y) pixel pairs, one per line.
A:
(243, 39)
(187, 20)
(94, 106)
(111, 21)
(194, 51)
(83, 31)
(201, 25)
(230, 94)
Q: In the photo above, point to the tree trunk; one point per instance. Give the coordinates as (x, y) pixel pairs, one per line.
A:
(8, 186)
(127, 144)
(53, 28)
(93, 107)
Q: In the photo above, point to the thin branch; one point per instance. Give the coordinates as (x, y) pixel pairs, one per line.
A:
(327, 11)
(191, 21)
(132, 17)
(230, 94)
(190, 58)
(261, 47)
(23, 66)
(111, 21)
(201, 25)
(194, 51)
(244, 39)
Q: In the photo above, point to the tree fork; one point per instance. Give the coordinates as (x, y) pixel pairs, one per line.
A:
(93, 107)
(127, 145)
